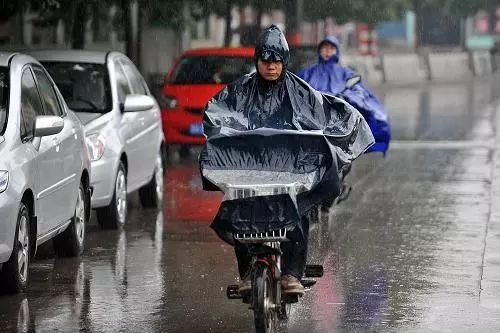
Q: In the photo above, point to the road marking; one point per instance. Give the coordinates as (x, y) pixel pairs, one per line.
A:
(443, 144)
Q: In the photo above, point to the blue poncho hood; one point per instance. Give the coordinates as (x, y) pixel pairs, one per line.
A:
(333, 41)
(327, 75)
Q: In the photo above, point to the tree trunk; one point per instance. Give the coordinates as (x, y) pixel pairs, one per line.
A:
(492, 20)
(131, 27)
(96, 22)
(227, 17)
(140, 25)
(418, 23)
(294, 10)
(260, 13)
(80, 16)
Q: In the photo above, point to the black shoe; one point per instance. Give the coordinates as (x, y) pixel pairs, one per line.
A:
(245, 286)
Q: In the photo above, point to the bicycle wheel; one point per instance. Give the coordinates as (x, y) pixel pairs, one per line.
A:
(263, 295)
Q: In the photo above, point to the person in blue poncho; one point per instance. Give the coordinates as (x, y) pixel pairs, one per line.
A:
(328, 76)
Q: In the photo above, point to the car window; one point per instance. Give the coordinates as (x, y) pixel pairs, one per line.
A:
(121, 82)
(211, 69)
(84, 86)
(31, 105)
(48, 94)
(4, 94)
(134, 77)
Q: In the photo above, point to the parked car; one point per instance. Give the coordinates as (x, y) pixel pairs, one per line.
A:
(44, 169)
(122, 123)
(195, 78)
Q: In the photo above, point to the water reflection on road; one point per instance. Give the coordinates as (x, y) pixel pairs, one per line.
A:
(400, 254)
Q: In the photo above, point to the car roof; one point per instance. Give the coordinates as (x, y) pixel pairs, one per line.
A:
(93, 57)
(221, 51)
(5, 58)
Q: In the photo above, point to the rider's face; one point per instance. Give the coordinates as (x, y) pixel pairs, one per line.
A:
(327, 51)
(270, 70)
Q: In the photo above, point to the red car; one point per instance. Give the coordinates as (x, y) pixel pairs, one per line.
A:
(195, 78)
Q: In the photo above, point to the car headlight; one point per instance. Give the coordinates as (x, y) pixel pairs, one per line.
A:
(96, 145)
(4, 180)
(167, 102)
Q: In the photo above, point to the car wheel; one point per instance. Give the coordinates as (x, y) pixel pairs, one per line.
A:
(16, 270)
(71, 241)
(115, 215)
(185, 151)
(151, 194)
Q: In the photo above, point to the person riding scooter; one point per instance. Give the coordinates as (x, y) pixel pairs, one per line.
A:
(274, 98)
(328, 76)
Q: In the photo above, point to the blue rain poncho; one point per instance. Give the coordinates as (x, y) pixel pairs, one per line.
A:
(330, 77)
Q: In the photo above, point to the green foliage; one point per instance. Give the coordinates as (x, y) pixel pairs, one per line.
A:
(368, 11)
(457, 8)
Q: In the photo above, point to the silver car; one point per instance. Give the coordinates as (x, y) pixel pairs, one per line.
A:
(44, 169)
(123, 126)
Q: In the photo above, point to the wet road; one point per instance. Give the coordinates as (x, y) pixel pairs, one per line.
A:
(413, 249)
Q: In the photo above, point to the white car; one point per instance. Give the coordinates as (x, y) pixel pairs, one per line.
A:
(123, 126)
(44, 169)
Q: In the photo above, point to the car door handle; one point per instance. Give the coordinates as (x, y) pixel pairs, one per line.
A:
(73, 130)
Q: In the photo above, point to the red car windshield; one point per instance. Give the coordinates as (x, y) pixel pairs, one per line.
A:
(211, 69)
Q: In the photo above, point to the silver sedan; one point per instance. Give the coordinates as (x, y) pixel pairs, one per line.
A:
(44, 169)
(122, 123)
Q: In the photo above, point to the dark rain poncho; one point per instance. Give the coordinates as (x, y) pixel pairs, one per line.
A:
(276, 149)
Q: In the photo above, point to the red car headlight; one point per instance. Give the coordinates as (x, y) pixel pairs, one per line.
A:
(167, 102)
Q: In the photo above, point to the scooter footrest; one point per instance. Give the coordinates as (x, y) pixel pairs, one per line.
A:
(308, 283)
(313, 271)
(232, 292)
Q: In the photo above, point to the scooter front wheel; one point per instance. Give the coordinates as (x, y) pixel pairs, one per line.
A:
(263, 296)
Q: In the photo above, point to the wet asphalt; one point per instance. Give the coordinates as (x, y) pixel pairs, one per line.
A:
(412, 249)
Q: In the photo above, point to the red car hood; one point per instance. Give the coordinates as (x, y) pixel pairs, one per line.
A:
(192, 96)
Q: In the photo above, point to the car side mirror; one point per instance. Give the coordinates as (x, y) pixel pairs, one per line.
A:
(48, 125)
(352, 81)
(137, 103)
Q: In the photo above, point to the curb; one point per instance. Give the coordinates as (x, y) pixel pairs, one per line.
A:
(490, 274)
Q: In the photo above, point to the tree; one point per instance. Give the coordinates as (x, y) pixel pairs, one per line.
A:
(9, 9)
(457, 9)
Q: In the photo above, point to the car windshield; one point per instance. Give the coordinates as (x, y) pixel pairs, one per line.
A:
(211, 69)
(84, 86)
(4, 94)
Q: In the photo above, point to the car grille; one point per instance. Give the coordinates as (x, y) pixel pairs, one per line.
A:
(194, 110)
(186, 132)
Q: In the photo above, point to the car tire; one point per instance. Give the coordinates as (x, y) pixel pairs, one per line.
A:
(151, 194)
(114, 216)
(15, 272)
(70, 243)
(185, 151)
